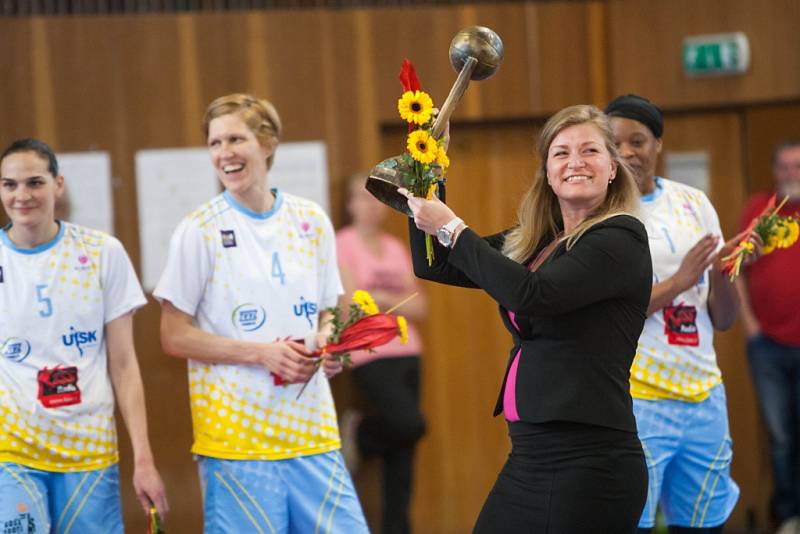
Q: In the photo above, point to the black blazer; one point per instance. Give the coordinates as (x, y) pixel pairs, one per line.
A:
(580, 316)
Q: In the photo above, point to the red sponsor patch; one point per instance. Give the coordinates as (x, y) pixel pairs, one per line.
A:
(58, 387)
(680, 325)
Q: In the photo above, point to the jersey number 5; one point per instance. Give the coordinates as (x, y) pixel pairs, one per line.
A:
(48, 304)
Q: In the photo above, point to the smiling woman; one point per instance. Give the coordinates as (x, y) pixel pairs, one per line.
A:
(67, 296)
(246, 277)
(572, 280)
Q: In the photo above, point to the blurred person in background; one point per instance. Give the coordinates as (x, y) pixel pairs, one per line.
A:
(770, 293)
(389, 377)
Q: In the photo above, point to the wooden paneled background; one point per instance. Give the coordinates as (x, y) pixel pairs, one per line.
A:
(126, 83)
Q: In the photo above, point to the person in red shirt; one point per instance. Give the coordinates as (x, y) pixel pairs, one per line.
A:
(770, 291)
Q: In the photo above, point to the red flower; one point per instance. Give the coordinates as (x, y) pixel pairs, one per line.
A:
(367, 333)
(408, 77)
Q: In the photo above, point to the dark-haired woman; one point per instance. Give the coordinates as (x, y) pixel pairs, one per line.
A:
(67, 298)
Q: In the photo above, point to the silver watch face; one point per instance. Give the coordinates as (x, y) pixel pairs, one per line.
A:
(444, 236)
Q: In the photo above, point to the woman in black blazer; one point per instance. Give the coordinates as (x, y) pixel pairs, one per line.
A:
(573, 280)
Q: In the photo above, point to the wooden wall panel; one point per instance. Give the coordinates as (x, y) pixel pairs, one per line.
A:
(646, 39)
(767, 126)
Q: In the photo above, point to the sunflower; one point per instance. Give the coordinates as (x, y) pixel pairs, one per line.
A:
(415, 106)
(442, 158)
(770, 245)
(422, 146)
(364, 300)
(787, 232)
(402, 329)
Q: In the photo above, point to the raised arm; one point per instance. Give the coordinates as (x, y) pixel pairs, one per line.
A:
(601, 265)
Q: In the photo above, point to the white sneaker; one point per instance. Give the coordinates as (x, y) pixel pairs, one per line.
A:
(790, 526)
(348, 430)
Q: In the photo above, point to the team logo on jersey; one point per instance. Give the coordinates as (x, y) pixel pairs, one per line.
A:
(83, 263)
(79, 339)
(15, 349)
(306, 230)
(306, 309)
(58, 387)
(228, 238)
(248, 317)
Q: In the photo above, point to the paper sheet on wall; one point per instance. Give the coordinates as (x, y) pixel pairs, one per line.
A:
(302, 169)
(87, 176)
(690, 168)
(171, 183)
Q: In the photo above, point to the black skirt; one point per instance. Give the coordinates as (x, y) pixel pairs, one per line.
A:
(567, 478)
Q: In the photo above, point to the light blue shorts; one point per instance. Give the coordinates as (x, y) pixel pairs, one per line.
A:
(44, 502)
(306, 495)
(688, 450)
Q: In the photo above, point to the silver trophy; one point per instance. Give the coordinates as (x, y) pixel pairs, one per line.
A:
(476, 53)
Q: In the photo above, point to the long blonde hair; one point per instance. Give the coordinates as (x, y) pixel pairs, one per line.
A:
(258, 114)
(539, 214)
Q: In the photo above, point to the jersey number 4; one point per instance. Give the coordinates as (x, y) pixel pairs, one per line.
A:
(277, 270)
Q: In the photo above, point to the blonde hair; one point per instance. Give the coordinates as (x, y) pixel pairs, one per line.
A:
(258, 114)
(539, 215)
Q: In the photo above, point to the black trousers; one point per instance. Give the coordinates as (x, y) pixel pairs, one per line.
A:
(567, 478)
(391, 428)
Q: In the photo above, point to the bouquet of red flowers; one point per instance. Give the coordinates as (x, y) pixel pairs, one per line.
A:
(364, 328)
(776, 231)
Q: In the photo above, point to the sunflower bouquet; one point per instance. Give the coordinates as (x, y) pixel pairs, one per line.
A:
(425, 159)
(364, 328)
(775, 230)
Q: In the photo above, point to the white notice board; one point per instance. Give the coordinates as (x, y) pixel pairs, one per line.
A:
(87, 176)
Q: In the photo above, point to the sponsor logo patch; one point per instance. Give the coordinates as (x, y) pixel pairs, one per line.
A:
(248, 317)
(58, 387)
(15, 349)
(79, 339)
(228, 238)
(306, 309)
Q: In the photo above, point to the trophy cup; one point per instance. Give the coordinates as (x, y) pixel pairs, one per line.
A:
(476, 53)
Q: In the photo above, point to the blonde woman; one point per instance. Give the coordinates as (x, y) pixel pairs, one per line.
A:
(572, 280)
(248, 274)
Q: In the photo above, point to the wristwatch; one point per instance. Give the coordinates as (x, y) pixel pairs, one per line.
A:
(446, 233)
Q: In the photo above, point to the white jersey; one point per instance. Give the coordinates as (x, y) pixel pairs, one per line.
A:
(56, 399)
(255, 277)
(675, 358)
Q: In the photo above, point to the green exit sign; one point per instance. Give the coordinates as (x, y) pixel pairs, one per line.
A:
(716, 55)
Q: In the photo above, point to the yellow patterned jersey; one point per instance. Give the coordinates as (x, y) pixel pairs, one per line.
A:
(256, 277)
(56, 399)
(675, 358)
